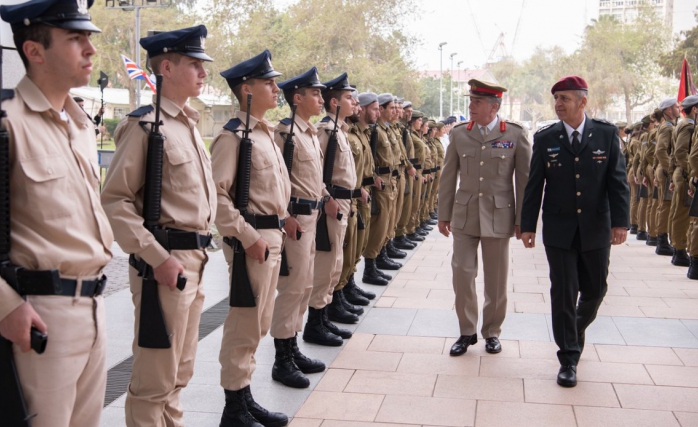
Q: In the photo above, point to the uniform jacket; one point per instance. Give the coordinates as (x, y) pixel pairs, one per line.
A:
(486, 202)
(586, 191)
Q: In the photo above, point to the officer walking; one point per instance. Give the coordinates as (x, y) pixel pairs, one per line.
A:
(58, 233)
(585, 210)
(491, 157)
(188, 207)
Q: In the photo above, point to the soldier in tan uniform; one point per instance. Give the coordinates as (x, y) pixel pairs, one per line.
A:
(692, 171)
(670, 110)
(639, 175)
(484, 209)
(632, 148)
(680, 200)
(409, 178)
(56, 224)
(424, 215)
(257, 228)
(307, 191)
(421, 153)
(649, 162)
(342, 188)
(188, 207)
(440, 154)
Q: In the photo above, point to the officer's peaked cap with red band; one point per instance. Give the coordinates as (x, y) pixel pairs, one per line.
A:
(485, 89)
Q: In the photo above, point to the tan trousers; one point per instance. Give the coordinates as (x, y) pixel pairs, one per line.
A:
(652, 204)
(427, 192)
(396, 210)
(294, 290)
(328, 265)
(678, 214)
(634, 204)
(159, 375)
(65, 385)
(406, 210)
(434, 194)
(362, 235)
(381, 222)
(244, 327)
(495, 260)
(642, 214)
(348, 249)
(663, 207)
(416, 205)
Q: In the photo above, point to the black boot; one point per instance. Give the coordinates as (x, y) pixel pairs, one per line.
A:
(651, 241)
(382, 274)
(336, 311)
(285, 370)
(641, 235)
(340, 332)
(402, 243)
(266, 418)
(371, 273)
(425, 226)
(663, 246)
(394, 252)
(315, 331)
(352, 295)
(236, 413)
(693, 269)
(633, 228)
(434, 216)
(364, 293)
(351, 308)
(419, 231)
(415, 237)
(431, 221)
(385, 263)
(304, 363)
(681, 258)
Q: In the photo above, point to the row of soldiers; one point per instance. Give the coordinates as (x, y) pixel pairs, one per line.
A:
(662, 168)
(298, 204)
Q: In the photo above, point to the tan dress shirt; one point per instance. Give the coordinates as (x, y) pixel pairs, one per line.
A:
(344, 172)
(306, 174)
(57, 220)
(188, 201)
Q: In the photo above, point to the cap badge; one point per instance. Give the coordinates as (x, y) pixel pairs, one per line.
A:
(203, 42)
(82, 6)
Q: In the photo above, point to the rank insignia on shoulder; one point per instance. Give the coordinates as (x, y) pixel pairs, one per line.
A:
(471, 124)
(233, 124)
(286, 121)
(140, 112)
(502, 126)
(7, 94)
(325, 119)
(544, 128)
(606, 122)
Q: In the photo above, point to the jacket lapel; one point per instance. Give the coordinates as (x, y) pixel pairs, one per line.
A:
(562, 138)
(588, 134)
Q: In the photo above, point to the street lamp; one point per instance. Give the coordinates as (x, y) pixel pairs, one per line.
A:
(441, 79)
(459, 91)
(451, 106)
(137, 5)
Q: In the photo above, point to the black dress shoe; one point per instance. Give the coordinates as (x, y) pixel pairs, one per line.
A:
(316, 332)
(633, 228)
(415, 237)
(434, 216)
(492, 345)
(402, 243)
(663, 246)
(693, 269)
(431, 221)
(461, 345)
(344, 334)
(265, 417)
(641, 235)
(567, 376)
(304, 363)
(424, 226)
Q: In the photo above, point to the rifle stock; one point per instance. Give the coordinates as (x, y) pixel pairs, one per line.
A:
(289, 145)
(322, 235)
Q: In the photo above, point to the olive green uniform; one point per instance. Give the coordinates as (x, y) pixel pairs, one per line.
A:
(679, 210)
(662, 171)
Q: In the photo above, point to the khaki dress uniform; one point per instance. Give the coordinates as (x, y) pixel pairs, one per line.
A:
(429, 188)
(679, 210)
(421, 153)
(639, 174)
(407, 187)
(328, 265)
(385, 199)
(57, 222)
(440, 153)
(633, 147)
(188, 203)
(270, 192)
(483, 209)
(647, 165)
(306, 183)
(398, 178)
(692, 246)
(662, 171)
(363, 133)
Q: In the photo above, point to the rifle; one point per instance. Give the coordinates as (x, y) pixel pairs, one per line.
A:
(102, 82)
(152, 330)
(322, 235)
(13, 407)
(289, 145)
(373, 142)
(241, 294)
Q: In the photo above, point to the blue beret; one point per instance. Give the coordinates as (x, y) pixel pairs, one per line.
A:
(666, 103)
(385, 98)
(367, 98)
(339, 83)
(187, 42)
(689, 101)
(258, 67)
(66, 14)
(308, 79)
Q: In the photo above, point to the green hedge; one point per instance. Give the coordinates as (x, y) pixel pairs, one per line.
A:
(110, 124)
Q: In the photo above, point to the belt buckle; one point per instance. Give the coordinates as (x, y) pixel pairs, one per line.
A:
(100, 286)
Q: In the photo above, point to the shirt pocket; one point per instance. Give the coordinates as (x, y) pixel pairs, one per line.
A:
(505, 160)
(182, 172)
(262, 171)
(48, 184)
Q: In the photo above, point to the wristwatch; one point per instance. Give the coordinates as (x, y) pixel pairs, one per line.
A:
(326, 199)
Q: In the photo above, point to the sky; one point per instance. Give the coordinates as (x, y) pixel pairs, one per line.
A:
(471, 27)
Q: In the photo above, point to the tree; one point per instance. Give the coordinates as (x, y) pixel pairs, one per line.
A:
(686, 46)
(429, 95)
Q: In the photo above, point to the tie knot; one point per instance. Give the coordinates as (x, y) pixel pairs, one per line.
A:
(575, 134)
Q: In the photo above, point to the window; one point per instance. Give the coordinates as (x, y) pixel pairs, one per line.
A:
(120, 113)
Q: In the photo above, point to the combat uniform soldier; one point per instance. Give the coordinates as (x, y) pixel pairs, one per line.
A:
(680, 201)
(424, 215)
(400, 241)
(649, 162)
(440, 154)
(693, 184)
(639, 176)
(421, 153)
(670, 110)
(57, 232)
(252, 232)
(491, 157)
(188, 207)
(307, 191)
(633, 147)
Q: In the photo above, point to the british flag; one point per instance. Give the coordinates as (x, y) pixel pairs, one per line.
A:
(135, 73)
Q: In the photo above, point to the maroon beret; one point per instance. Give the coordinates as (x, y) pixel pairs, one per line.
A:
(570, 83)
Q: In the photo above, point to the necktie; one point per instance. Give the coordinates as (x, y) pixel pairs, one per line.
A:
(575, 141)
(485, 130)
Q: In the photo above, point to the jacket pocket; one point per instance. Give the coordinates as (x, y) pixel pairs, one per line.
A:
(505, 161)
(504, 215)
(460, 209)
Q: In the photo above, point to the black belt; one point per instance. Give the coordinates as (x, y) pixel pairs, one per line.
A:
(264, 222)
(438, 168)
(417, 166)
(49, 282)
(356, 194)
(382, 171)
(341, 193)
(179, 240)
(395, 173)
(413, 161)
(368, 181)
(426, 172)
(298, 206)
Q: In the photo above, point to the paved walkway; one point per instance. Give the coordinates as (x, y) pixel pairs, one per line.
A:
(639, 367)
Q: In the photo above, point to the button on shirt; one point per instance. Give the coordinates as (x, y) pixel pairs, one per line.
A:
(57, 220)
(188, 195)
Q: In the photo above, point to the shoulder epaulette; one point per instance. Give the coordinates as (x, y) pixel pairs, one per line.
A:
(517, 124)
(544, 128)
(7, 94)
(140, 112)
(233, 124)
(459, 124)
(325, 119)
(286, 121)
(606, 122)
